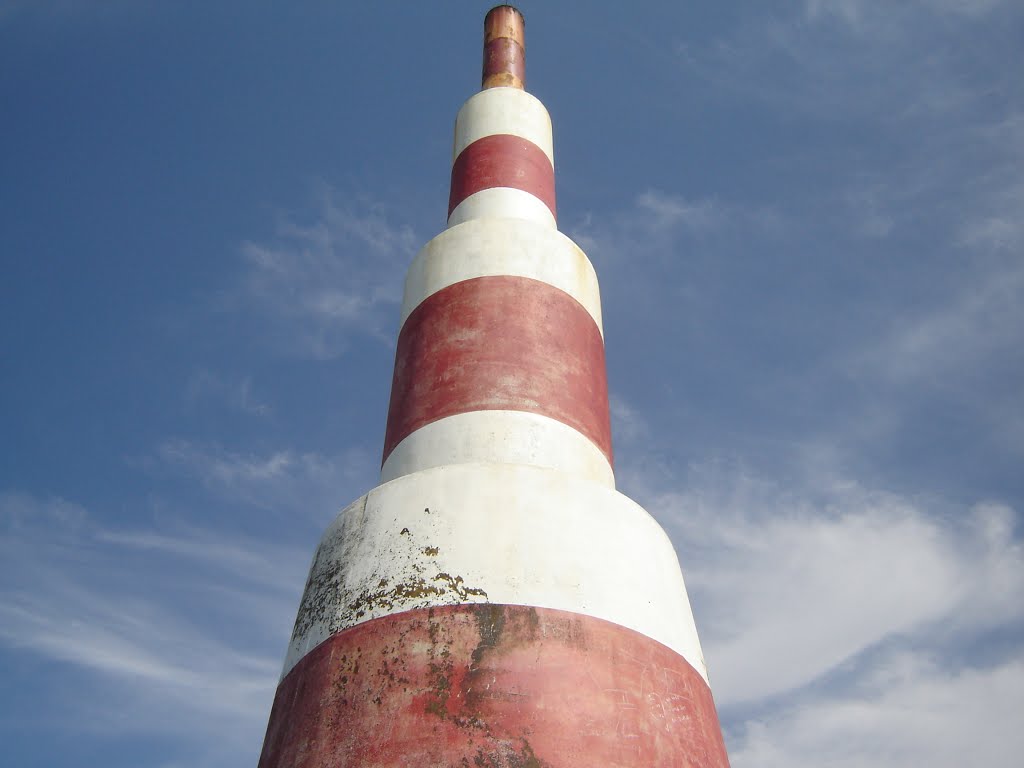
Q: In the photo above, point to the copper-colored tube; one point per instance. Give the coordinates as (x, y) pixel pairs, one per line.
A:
(504, 48)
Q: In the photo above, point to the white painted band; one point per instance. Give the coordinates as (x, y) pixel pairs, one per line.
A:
(502, 203)
(496, 533)
(509, 111)
(501, 437)
(485, 247)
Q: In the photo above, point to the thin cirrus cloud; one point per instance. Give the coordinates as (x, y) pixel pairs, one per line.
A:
(914, 711)
(830, 58)
(843, 624)
(206, 387)
(130, 617)
(320, 279)
(880, 278)
(278, 480)
(939, 147)
(980, 323)
(811, 586)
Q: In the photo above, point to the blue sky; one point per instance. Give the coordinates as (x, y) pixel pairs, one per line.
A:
(808, 221)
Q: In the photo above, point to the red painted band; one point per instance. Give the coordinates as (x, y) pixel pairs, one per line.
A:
(500, 343)
(502, 160)
(492, 685)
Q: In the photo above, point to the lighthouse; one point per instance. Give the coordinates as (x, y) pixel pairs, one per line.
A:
(495, 602)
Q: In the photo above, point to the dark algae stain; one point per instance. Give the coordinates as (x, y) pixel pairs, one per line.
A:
(490, 622)
(506, 756)
(330, 599)
(526, 758)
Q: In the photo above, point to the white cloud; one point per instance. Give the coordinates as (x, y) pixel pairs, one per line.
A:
(848, 627)
(996, 221)
(962, 333)
(628, 424)
(656, 221)
(856, 12)
(671, 211)
(318, 282)
(135, 619)
(275, 480)
(924, 83)
(871, 60)
(237, 392)
(913, 711)
(273, 569)
(792, 585)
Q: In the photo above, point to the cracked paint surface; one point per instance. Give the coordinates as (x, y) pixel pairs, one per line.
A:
(496, 686)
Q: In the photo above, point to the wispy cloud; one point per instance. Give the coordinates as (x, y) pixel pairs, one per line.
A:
(136, 618)
(628, 424)
(914, 710)
(856, 13)
(851, 58)
(842, 624)
(961, 334)
(996, 222)
(236, 392)
(926, 83)
(657, 222)
(282, 480)
(326, 276)
(880, 273)
(671, 211)
(812, 584)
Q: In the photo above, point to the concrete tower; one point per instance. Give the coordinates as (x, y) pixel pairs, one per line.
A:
(495, 602)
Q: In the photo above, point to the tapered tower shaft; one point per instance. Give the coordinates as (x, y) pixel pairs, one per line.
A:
(495, 601)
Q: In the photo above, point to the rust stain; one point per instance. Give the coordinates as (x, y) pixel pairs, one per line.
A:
(505, 21)
(504, 48)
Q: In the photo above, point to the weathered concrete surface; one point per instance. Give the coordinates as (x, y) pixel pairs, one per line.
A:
(500, 343)
(503, 437)
(505, 203)
(503, 110)
(500, 533)
(492, 686)
(502, 246)
(502, 160)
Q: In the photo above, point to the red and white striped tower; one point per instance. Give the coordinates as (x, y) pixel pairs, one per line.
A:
(495, 602)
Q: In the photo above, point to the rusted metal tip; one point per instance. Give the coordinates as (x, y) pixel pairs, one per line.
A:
(504, 48)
